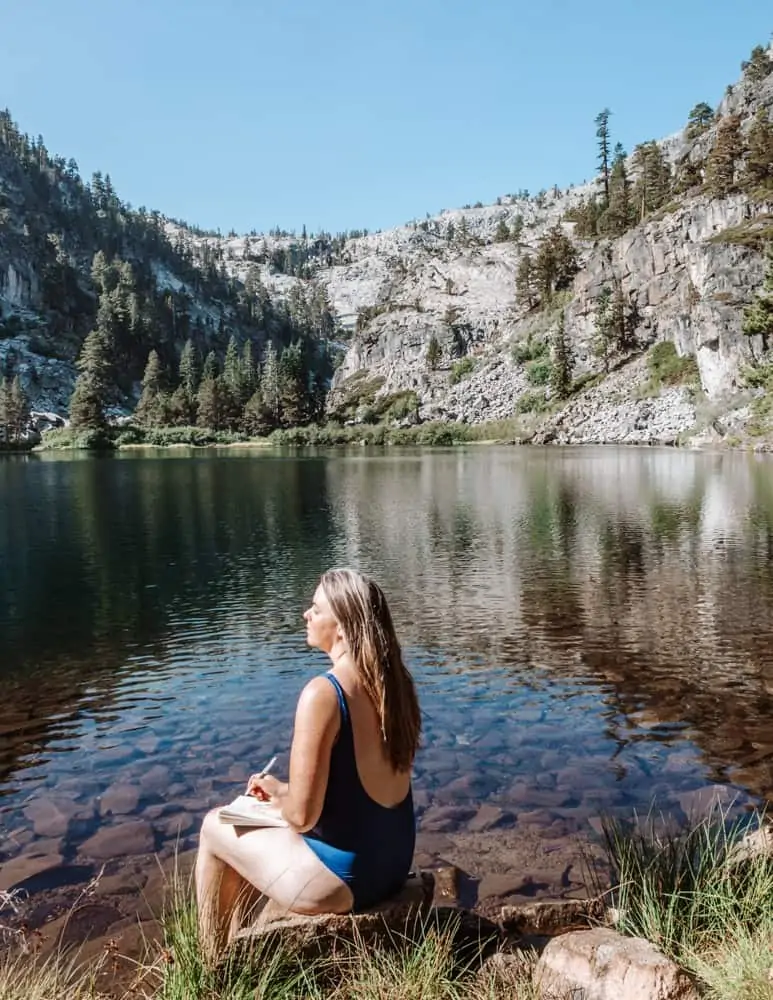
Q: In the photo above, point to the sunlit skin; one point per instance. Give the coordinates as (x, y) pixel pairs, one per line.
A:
(232, 861)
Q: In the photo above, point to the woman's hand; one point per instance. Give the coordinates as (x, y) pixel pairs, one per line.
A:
(266, 788)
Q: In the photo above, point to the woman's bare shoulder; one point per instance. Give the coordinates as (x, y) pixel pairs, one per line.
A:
(318, 696)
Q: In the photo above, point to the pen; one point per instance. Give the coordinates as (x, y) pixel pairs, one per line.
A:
(267, 768)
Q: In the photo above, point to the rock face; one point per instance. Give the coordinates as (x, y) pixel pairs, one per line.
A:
(685, 274)
(601, 964)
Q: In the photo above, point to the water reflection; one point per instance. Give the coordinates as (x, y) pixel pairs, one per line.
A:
(589, 628)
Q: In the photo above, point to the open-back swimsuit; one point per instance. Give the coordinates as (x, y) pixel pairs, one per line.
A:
(367, 845)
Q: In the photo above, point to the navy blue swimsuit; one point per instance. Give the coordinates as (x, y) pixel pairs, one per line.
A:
(367, 845)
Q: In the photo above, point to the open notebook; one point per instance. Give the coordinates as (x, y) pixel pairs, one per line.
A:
(246, 810)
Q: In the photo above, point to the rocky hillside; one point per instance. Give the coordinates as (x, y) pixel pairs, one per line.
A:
(439, 315)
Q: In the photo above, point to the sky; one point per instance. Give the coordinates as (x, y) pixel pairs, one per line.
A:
(248, 114)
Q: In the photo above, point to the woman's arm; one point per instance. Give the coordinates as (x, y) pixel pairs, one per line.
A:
(317, 721)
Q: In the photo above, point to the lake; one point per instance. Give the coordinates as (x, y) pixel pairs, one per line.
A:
(591, 631)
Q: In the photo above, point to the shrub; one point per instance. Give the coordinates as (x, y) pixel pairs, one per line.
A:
(65, 438)
(461, 369)
(530, 350)
(539, 372)
(531, 402)
(666, 367)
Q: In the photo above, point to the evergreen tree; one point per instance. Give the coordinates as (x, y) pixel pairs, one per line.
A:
(699, 119)
(721, 162)
(87, 404)
(270, 384)
(6, 410)
(758, 171)
(517, 228)
(563, 362)
(758, 66)
(292, 385)
(434, 353)
(502, 233)
(525, 280)
(19, 409)
(147, 408)
(602, 134)
(211, 367)
(189, 368)
(249, 371)
(653, 183)
(182, 407)
(232, 368)
(618, 215)
(256, 419)
(210, 403)
(758, 317)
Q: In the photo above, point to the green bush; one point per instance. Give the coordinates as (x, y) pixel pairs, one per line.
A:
(530, 350)
(461, 369)
(666, 367)
(539, 372)
(531, 402)
(65, 438)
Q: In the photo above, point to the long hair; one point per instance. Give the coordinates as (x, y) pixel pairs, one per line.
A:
(360, 608)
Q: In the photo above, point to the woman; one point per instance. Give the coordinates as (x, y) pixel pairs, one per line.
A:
(348, 804)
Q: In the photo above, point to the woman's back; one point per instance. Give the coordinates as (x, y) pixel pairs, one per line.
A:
(366, 832)
(380, 781)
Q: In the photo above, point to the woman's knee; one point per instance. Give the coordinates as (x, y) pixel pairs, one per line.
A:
(209, 828)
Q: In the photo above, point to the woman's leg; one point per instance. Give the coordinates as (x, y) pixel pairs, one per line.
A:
(274, 860)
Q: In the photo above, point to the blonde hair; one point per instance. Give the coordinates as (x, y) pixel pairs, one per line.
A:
(360, 608)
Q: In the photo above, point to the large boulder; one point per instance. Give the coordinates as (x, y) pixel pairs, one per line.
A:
(404, 917)
(601, 964)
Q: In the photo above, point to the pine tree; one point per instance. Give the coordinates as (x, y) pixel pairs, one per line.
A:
(209, 403)
(270, 384)
(759, 65)
(525, 280)
(182, 408)
(249, 371)
(502, 233)
(721, 162)
(434, 353)
(653, 183)
(758, 171)
(256, 419)
(758, 317)
(189, 368)
(211, 367)
(292, 385)
(232, 368)
(563, 362)
(87, 404)
(146, 412)
(602, 134)
(699, 119)
(618, 216)
(19, 409)
(6, 409)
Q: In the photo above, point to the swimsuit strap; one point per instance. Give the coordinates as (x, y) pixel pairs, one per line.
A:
(345, 720)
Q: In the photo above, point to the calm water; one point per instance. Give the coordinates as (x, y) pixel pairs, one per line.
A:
(589, 629)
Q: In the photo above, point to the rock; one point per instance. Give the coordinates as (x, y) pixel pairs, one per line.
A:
(134, 837)
(119, 800)
(309, 937)
(447, 886)
(156, 780)
(601, 964)
(551, 917)
(488, 817)
(25, 867)
(50, 816)
(441, 819)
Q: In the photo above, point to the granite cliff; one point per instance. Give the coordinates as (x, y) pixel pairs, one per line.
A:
(429, 313)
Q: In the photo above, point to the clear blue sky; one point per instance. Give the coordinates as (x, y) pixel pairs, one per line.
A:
(352, 113)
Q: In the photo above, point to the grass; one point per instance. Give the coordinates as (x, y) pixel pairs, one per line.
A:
(704, 903)
(755, 233)
(696, 892)
(461, 369)
(666, 367)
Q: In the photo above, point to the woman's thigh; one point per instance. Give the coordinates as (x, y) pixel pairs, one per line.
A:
(278, 861)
